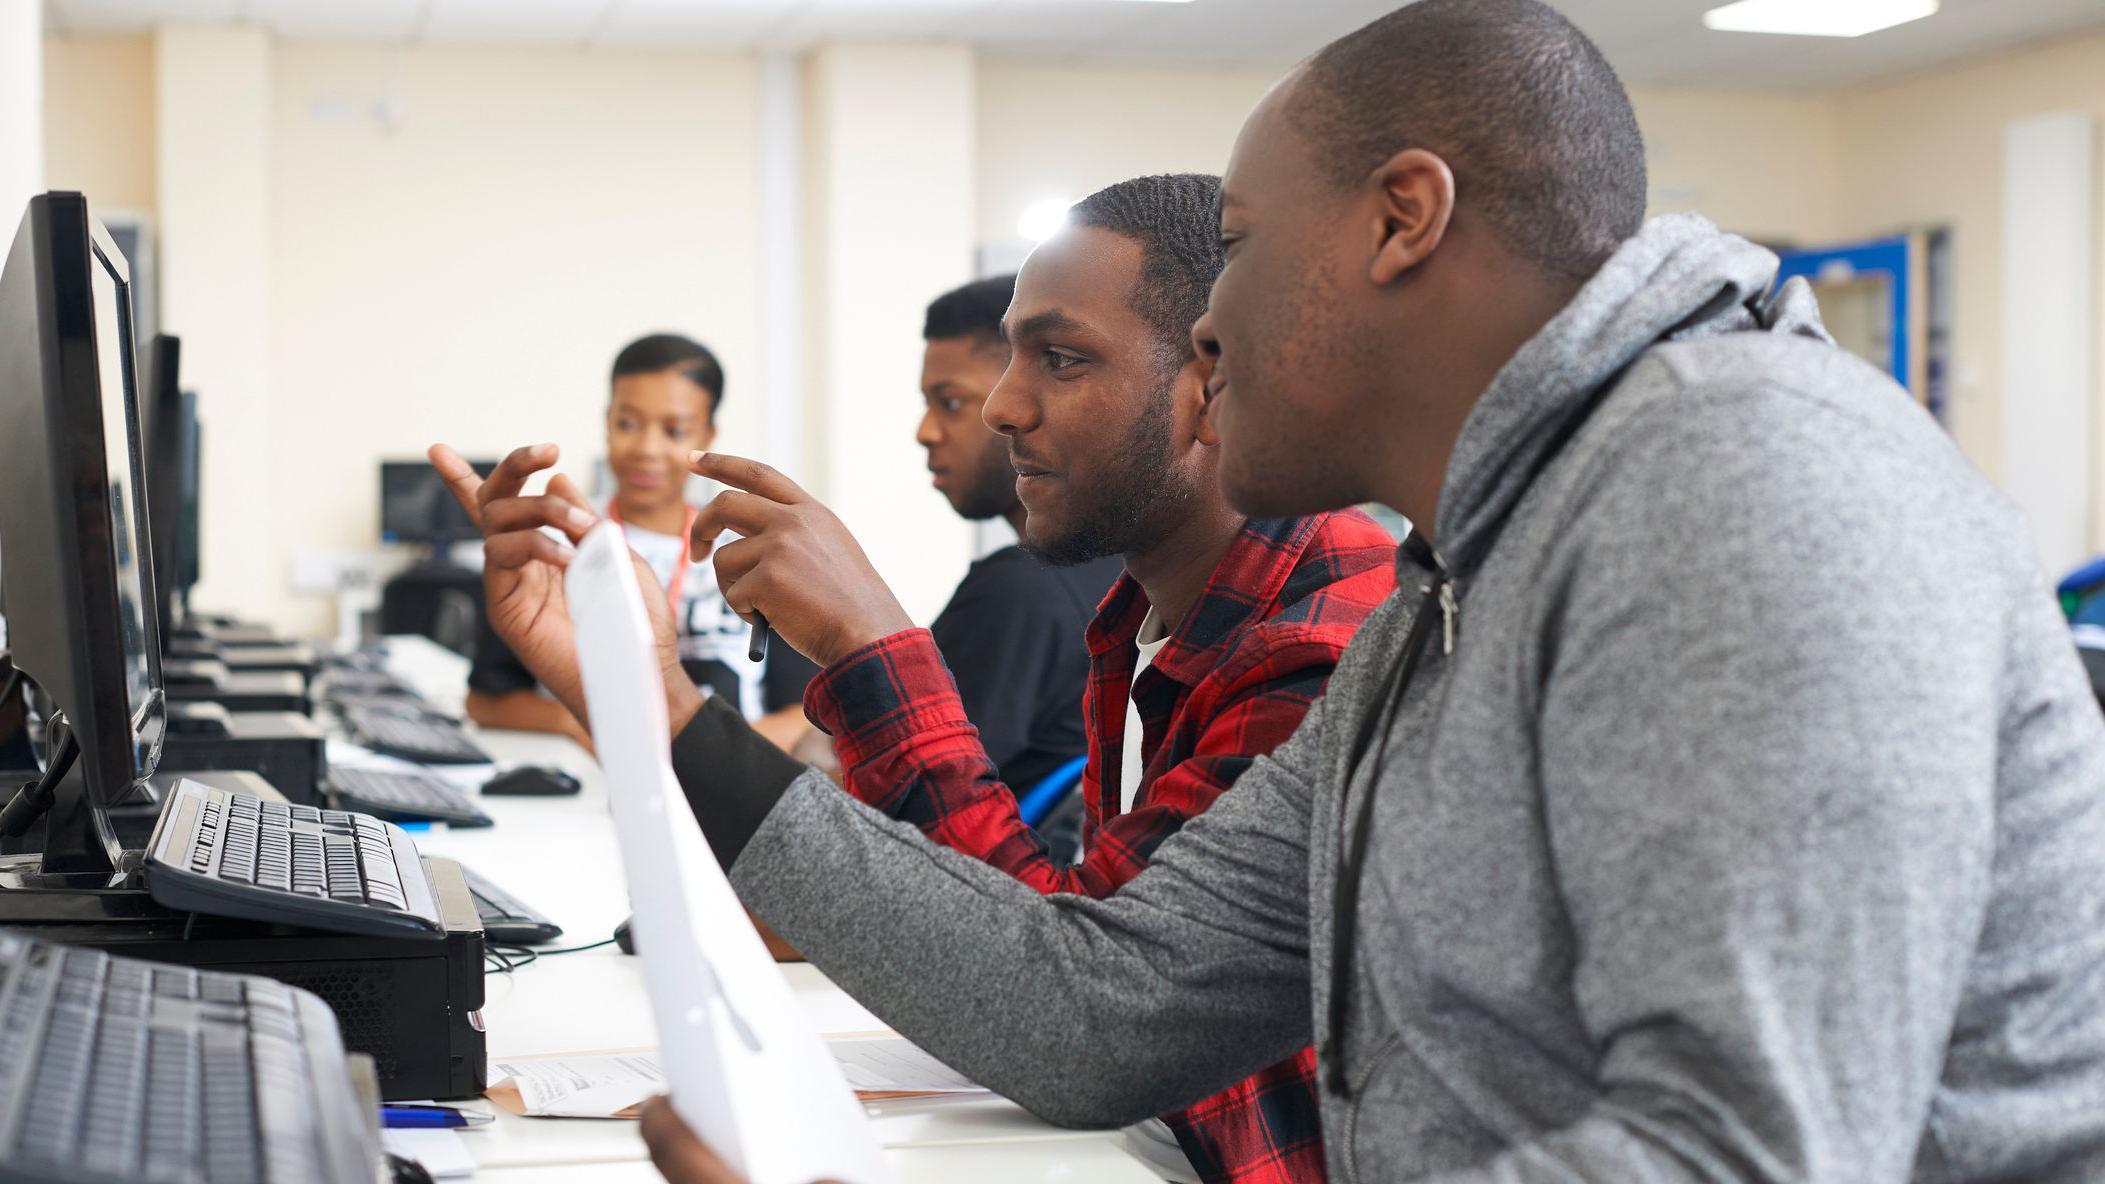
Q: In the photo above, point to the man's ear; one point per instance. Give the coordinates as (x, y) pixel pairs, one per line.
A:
(1198, 377)
(1413, 204)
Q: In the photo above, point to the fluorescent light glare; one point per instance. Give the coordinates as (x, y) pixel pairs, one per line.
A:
(1817, 18)
(1043, 219)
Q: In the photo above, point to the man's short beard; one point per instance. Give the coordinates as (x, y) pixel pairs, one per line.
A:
(1128, 510)
(992, 491)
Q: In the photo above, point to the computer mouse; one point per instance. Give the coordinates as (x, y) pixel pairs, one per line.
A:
(623, 939)
(537, 780)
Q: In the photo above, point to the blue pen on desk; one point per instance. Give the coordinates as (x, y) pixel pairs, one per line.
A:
(419, 1117)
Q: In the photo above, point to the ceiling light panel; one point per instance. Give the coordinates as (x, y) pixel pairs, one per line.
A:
(1817, 18)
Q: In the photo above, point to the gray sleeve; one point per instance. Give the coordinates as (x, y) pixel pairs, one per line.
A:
(1768, 744)
(1086, 1012)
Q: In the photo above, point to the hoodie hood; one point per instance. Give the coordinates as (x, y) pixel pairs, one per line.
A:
(1678, 278)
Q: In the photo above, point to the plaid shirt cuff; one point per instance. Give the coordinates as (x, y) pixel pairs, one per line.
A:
(892, 693)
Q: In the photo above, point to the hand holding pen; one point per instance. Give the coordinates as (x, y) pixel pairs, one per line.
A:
(795, 569)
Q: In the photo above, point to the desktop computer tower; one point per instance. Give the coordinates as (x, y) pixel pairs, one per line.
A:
(289, 658)
(254, 690)
(413, 1006)
(284, 748)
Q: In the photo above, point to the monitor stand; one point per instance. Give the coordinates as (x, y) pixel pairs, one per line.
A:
(81, 851)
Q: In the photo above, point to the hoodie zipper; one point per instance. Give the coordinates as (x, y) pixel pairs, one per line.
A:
(1450, 615)
(1436, 596)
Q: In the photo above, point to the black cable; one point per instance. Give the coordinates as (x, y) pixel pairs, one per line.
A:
(33, 800)
(514, 957)
(566, 950)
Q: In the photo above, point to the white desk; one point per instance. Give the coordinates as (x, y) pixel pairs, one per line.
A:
(595, 999)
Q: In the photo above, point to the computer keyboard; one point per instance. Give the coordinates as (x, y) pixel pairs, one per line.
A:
(234, 855)
(403, 796)
(424, 740)
(366, 682)
(117, 1070)
(506, 918)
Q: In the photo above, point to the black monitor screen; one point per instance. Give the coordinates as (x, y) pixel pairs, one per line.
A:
(187, 541)
(121, 436)
(416, 506)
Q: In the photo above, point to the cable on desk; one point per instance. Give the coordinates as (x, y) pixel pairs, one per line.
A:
(494, 961)
(510, 958)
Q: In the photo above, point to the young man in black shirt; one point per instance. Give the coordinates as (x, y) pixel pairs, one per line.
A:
(1012, 633)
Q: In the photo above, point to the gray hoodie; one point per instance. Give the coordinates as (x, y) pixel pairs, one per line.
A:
(1743, 821)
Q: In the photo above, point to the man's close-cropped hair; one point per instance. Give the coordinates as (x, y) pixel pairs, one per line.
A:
(1526, 112)
(1176, 219)
(660, 352)
(973, 311)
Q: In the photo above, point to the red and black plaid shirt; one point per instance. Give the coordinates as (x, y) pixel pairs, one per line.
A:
(1230, 685)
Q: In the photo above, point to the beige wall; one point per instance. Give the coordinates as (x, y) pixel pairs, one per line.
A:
(1766, 166)
(1929, 150)
(889, 152)
(1050, 131)
(99, 119)
(213, 165)
(466, 272)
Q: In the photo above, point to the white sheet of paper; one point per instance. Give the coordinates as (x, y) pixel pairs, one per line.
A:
(748, 1071)
(894, 1064)
(442, 1152)
(583, 1086)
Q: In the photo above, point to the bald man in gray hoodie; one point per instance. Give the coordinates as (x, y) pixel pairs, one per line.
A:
(1719, 799)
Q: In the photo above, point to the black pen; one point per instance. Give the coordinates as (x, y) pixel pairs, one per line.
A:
(756, 650)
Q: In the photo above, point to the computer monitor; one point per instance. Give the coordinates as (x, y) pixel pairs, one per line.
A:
(416, 506)
(165, 446)
(79, 580)
(172, 458)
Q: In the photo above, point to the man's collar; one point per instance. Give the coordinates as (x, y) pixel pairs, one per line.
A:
(1248, 578)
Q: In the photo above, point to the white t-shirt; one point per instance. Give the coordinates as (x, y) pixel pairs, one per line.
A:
(709, 630)
(1150, 1142)
(1150, 640)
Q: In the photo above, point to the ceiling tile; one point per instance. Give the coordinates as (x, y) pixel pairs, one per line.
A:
(366, 20)
(897, 20)
(514, 22)
(140, 16)
(686, 24)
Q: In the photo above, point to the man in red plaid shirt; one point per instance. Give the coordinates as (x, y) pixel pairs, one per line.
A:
(1204, 656)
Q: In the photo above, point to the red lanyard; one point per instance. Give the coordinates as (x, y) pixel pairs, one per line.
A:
(679, 571)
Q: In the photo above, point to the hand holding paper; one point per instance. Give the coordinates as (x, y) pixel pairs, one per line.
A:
(748, 1073)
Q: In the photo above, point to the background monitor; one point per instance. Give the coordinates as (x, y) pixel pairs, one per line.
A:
(73, 505)
(163, 404)
(188, 543)
(416, 506)
(172, 458)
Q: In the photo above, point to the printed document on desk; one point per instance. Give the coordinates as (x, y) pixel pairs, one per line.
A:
(748, 1072)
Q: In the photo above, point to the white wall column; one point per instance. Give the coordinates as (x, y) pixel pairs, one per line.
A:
(889, 201)
(782, 259)
(21, 109)
(2050, 210)
(213, 89)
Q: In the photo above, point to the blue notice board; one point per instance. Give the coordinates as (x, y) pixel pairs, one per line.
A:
(1883, 259)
